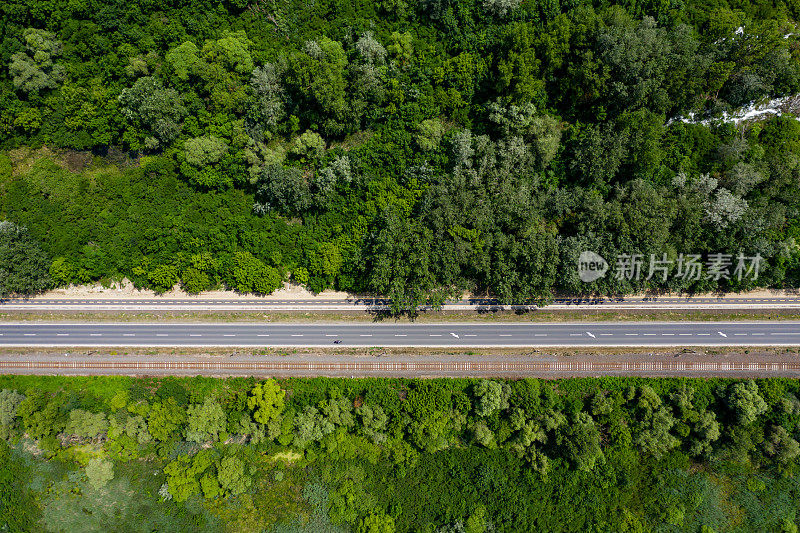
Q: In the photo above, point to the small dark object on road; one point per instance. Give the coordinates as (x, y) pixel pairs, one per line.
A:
(337, 341)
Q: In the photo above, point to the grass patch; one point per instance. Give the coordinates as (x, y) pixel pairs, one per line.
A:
(535, 316)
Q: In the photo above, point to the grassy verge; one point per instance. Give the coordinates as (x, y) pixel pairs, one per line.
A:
(212, 352)
(539, 315)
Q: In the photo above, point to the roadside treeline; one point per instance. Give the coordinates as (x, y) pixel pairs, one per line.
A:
(401, 455)
(409, 149)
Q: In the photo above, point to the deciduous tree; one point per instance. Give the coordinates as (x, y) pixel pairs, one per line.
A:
(266, 400)
(205, 421)
(24, 267)
(99, 471)
(36, 68)
(166, 419)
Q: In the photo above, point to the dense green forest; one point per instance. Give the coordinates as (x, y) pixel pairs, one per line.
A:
(413, 149)
(385, 455)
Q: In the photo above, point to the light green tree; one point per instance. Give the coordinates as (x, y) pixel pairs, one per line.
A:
(99, 471)
(201, 164)
(648, 400)
(39, 414)
(162, 278)
(433, 432)
(86, 424)
(9, 401)
(166, 418)
(781, 445)
(309, 147)
(310, 426)
(250, 274)
(477, 521)
(232, 476)
(205, 421)
(656, 439)
(36, 69)
(484, 436)
(183, 474)
(745, 402)
(183, 60)
(402, 46)
(266, 401)
(61, 271)
(429, 134)
(210, 486)
(224, 67)
(373, 422)
(339, 411)
(376, 523)
(491, 396)
(201, 273)
(706, 430)
(136, 428)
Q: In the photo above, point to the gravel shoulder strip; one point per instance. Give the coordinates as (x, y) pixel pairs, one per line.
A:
(417, 363)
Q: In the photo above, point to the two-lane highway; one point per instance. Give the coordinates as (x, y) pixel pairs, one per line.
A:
(404, 335)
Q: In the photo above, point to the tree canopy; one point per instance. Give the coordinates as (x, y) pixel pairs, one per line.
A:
(407, 150)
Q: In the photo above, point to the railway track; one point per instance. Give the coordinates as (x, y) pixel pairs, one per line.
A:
(529, 368)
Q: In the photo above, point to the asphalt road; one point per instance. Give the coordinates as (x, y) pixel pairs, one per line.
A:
(378, 304)
(405, 335)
